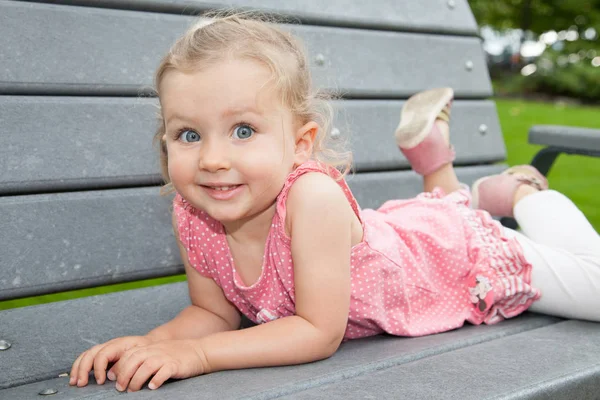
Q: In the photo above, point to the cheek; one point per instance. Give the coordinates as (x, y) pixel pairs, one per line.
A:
(268, 158)
(180, 168)
(270, 165)
(277, 150)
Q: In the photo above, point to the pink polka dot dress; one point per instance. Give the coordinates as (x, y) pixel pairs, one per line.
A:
(425, 265)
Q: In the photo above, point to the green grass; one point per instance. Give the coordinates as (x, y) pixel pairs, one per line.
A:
(577, 177)
(74, 294)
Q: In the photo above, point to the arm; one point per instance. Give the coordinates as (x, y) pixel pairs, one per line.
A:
(320, 225)
(320, 221)
(210, 311)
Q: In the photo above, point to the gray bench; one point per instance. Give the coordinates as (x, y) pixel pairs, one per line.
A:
(80, 204)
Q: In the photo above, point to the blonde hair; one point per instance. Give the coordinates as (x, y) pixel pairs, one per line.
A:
(252, 36)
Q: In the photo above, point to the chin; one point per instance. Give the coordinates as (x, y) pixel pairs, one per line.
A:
(224, 214)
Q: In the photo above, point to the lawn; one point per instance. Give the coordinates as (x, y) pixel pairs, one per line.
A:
(577, 177)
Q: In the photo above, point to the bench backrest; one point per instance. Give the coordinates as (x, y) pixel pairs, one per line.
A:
(79, 178)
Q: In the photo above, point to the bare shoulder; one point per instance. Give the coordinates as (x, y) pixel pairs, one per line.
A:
(315, 189)
(313, 195)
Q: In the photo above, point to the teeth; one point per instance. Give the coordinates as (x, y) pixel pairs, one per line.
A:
(223, 188)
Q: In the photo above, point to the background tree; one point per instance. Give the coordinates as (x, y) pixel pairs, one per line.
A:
(538, 16)
(571, 65)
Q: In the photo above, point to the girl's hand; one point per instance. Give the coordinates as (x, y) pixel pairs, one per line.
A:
(98, 357)
(165, 359)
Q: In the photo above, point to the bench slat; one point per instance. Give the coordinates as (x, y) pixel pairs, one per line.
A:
(534, 365)
(65, 50)
(66, 328)
(402, 15)
(71, 327)
(66, 241)
(107, 142)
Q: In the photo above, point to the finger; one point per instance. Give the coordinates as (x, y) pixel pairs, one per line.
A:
(107, 354)
(75, 369)
(85, 365)
(112, 373)
(129, 365)
(164, 373)
(144, 372)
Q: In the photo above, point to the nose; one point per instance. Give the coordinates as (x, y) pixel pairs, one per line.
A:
(214, 156)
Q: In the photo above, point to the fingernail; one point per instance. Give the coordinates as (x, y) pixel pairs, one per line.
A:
(119, 387)
(79, 382)
(111, 376)
(151, 386)
(72, 380)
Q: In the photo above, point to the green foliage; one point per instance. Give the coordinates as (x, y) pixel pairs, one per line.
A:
(565, 72)
(556, 75)
(537, 16)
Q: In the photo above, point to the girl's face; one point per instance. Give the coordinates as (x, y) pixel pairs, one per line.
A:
(230, 142)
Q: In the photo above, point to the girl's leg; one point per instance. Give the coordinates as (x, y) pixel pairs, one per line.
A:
(551, 218)
(557, 239)
(444, 177)
(423, 136)
(564, 250)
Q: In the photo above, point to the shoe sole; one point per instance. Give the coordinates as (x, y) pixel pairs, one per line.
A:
(418, 115)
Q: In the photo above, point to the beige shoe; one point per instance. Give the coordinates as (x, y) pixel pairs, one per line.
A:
(495, 194)
(418, 137)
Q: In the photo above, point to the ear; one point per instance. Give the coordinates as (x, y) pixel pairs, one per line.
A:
(163, 142)
(305, 139)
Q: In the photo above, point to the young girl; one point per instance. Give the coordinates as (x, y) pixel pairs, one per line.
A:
(268, 228)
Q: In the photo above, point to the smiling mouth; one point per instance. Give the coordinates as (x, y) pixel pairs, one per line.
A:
(221, 188)
(222, 192)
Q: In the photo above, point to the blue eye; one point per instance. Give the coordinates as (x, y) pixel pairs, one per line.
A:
(188, 136)
(243, 132)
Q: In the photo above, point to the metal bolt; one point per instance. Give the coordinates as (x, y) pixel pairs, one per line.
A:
(451, 4)
(335, 133)
(4, 345)
(483, 129)
(48, 392)
(320, 59)
(469, 65)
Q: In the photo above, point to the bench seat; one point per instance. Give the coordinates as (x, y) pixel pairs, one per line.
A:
(36, 360)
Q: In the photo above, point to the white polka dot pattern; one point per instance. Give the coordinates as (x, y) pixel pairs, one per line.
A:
(410, 275)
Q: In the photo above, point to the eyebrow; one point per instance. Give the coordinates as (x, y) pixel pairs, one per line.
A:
(228, 112)
(177, 117)
(240, 110)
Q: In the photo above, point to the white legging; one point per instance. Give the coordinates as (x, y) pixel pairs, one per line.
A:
(564, 250)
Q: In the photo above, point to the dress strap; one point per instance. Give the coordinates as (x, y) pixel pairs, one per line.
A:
(180, 207)
(313, 166)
